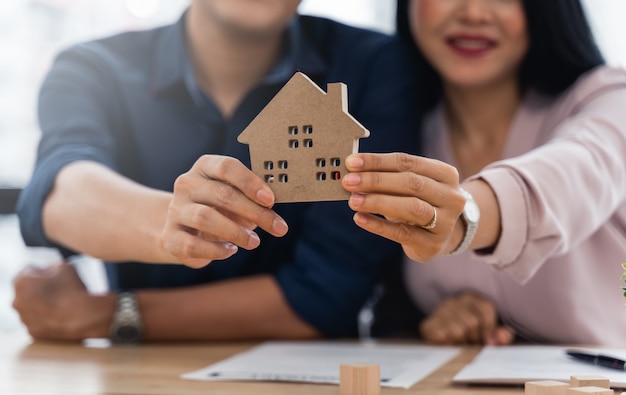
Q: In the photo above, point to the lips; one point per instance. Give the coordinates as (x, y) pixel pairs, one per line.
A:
(470, 46)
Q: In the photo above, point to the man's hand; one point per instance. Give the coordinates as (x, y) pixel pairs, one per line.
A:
(215, 208)
(465, 319)
(54, 304)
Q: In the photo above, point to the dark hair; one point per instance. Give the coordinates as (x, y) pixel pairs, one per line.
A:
(562, 47)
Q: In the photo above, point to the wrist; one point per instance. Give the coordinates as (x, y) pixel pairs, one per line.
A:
(456, 238)
(98, 310)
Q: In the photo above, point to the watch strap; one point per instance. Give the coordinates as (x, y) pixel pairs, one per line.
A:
(470, 225)
(126, 327)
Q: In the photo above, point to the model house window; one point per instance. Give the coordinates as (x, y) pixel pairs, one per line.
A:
(269, 178)
(269, 165)
(308, 143)
(335, 175)
(336, 162)
(321, 176)
(283, 178)
(282, 164)
(293, 143)
(320, 162)
(293, 130)
(308, 129)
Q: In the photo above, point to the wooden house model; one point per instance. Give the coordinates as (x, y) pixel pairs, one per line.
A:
(299, 141)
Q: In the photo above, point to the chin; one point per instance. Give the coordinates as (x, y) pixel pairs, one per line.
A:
(256, 30)
(470, 79)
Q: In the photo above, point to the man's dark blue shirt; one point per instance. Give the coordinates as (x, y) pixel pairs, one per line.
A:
(131, 102)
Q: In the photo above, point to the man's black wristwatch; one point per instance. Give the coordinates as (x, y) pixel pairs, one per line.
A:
(126, 326)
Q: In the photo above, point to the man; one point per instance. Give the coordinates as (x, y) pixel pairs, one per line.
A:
(126, 118)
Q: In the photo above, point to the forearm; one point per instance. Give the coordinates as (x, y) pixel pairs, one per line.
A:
(95, 211)
(246, 308)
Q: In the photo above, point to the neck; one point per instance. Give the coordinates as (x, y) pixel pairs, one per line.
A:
(227, 64)
(482, 112)
(479, 121)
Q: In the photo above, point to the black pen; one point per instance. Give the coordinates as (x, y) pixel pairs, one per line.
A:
(598, 359)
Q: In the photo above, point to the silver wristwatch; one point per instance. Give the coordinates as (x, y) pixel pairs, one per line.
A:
(470, 216)
(126, 326)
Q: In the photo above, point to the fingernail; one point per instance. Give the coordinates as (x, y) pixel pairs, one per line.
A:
(231, 248)
(354, 162)
(352, 179)
(360, 219)
(280, 226)
(356, 200)
(265, 197)
(253, 239)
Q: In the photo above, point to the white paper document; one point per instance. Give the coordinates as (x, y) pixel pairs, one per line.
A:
(518, 364)
(318, 362)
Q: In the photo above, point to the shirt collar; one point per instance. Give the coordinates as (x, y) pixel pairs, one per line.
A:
(172, 67)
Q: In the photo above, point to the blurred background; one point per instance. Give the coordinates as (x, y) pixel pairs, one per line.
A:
(32, 31)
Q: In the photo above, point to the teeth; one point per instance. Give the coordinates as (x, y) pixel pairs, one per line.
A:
(471, 44)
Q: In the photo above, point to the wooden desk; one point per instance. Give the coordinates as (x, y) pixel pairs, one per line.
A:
(71, 369)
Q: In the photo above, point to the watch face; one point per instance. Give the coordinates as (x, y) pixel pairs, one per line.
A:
(472, 213)
(127, 334)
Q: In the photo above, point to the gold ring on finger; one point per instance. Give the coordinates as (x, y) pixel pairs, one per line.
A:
(433, 222)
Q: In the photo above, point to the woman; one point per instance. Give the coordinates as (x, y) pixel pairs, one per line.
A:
(523, 109)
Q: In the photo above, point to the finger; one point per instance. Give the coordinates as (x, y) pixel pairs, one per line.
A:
(401, 162)
(469, 324)
(226, 198)
(405, 184)
(232, 171)
(194, 251)
(442, 330)
(410, 210)
(428, 244)
(485, 313)
(504, 336)
(484, 310)
(445, 325)
(36, 271)
(66, 269)
(210, 221)
(432, 332)
(464, 320)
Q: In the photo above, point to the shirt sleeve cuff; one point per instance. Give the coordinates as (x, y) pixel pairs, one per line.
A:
(514, 224)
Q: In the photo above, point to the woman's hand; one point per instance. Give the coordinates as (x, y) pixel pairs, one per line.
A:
(465, 319)
(418, 197)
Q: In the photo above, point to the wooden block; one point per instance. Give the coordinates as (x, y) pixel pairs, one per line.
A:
(589, 381)
(545, 387)
(590, 391)
(359, 379)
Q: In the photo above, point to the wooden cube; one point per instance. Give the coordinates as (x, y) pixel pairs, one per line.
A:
(359, 379)
(590, 391)
(589, 381)
(545, 387)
